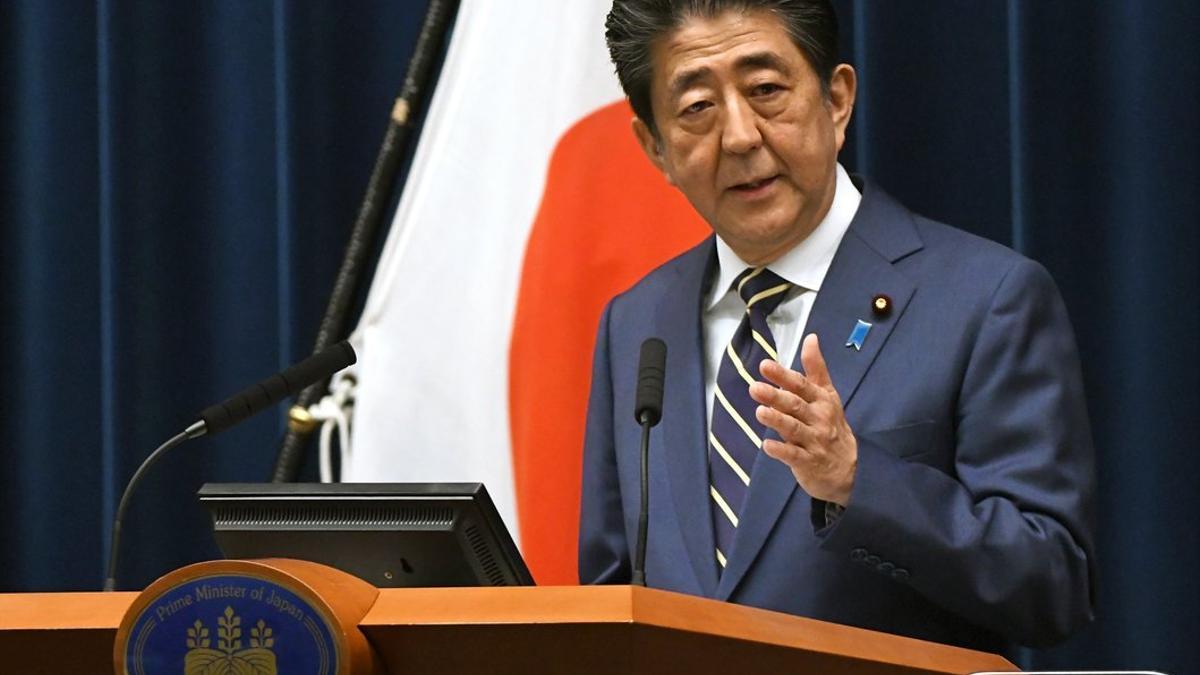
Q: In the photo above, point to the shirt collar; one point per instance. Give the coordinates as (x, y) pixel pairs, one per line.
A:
(806, 263)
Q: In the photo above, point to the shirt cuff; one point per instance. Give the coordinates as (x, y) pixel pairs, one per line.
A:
(833, 512)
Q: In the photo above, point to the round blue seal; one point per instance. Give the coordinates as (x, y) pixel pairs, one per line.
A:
(230, 623)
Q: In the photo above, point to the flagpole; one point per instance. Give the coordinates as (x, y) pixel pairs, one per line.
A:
(367, 225)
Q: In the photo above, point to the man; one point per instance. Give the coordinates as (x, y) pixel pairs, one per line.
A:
(924, 467)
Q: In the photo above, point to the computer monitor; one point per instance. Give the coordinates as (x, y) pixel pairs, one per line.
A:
(389, 534)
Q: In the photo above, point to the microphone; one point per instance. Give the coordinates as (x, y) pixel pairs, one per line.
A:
(219, 417)
(652, 366)
(647, 410)
(253, 399)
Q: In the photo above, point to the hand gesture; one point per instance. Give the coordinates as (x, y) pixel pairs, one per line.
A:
(806, 411)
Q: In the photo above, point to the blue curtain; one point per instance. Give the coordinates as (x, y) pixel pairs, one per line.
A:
(178, 180)
(1071, 132)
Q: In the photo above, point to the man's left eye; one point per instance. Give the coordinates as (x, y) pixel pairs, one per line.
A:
(766, 89)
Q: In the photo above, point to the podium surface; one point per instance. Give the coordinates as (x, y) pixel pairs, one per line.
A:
(628, 629)
(568, 629)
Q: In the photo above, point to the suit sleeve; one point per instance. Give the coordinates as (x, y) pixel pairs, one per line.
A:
(1005, 540)
(603, 548)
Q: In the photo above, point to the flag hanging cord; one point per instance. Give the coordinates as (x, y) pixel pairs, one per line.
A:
(334, 412)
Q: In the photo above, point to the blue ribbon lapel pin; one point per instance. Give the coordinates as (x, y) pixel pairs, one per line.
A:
(858, 335)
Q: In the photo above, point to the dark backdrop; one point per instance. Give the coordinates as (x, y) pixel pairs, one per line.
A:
(178, 180)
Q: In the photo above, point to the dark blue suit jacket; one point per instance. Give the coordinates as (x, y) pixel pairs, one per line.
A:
(971, 517)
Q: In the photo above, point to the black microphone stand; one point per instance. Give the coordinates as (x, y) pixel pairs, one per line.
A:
(193, 431)
(652, 366)
(639, 562)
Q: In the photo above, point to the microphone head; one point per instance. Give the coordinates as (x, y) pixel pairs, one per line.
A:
(261, 395)
(652, 367)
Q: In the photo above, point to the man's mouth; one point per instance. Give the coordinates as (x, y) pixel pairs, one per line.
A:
(754, 185)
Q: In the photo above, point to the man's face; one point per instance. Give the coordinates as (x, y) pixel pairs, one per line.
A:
(745, 131)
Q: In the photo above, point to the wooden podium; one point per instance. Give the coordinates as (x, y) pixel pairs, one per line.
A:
(616, 630)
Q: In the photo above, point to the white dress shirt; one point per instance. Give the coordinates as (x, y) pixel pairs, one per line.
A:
(804, 266)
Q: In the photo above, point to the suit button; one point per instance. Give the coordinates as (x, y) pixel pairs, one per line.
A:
(900, 574)
(886, 567)
(858, 554)
(872, 560)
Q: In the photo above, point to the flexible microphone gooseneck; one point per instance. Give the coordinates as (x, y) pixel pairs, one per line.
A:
(219, 417)
(652, 367)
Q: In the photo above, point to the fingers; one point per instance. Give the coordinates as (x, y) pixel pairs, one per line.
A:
(815, 440)
(788, 379)
(787, 453)
(798, 404)
(814, 362)
(788, 427)
(779, 399)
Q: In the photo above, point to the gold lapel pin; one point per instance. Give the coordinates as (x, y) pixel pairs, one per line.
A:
(881, 305)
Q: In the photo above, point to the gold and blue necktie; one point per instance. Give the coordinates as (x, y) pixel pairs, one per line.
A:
(735, 435)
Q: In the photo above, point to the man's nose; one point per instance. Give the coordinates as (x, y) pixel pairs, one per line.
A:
(741, 133)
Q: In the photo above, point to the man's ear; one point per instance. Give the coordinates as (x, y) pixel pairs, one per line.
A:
(843, 87)
(652, 147)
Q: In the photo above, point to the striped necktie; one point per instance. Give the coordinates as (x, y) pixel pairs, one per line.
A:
(735, 436)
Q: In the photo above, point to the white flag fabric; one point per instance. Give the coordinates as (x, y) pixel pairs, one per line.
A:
(511, 232)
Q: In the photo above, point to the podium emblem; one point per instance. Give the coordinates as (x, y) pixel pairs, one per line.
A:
(229, 658)
(229, 624)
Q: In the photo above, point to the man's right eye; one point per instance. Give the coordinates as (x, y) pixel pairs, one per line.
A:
(696, 107)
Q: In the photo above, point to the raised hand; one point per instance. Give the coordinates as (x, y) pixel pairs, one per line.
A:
(806, 411)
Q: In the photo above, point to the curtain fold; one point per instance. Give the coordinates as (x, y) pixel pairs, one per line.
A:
(178, 185)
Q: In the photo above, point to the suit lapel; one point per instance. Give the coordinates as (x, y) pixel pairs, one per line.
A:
(881, 232)
(684, 411)
(844, 300)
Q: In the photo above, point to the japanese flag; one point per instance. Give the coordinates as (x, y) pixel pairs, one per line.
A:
(528, 206)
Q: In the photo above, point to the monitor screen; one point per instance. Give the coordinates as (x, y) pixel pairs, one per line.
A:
(389, 534)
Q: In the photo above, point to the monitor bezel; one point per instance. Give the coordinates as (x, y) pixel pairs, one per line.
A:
(456, 496)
